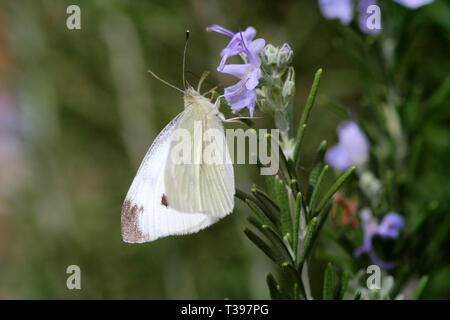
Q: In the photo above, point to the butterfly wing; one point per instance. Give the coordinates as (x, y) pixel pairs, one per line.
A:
(206, 184)
(145, 214)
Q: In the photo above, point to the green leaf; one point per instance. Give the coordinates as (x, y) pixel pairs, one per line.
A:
(274, 288)
(293, 278)
(420, 288)
(280, 248)
(242, 195)
(357, 295)
(300, 134)
(296, 226)
(318, 163)
(263, 246)
(305, 114)
(282, 199)
(328, 289)
(308, 240)
(264, 219)
(322, 217)
(345, 278)
(316, 189)
(335, 187)
(296, 291)
(269, 183)
(271, 207)
(268, 206)
(260, 194)
(278, 242)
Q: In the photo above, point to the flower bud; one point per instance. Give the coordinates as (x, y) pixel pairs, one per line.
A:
(270, 54)
(289, 84)
(285, 54)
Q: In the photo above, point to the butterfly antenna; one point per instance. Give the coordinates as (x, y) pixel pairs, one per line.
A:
(202, 78)
(184, 58)
(164, 81)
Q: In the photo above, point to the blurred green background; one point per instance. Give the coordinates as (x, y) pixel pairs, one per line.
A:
(78, 112)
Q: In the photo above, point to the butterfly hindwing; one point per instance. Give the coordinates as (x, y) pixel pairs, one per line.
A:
(146, 213)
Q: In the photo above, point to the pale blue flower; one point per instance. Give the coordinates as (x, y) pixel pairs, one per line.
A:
(343, 10)
(413, 4)
(390, 227)
(352, 148)
(243, 93)
(337, 9)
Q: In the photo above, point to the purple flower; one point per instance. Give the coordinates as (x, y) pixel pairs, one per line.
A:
(343, 10)
(390, 227)
(337, 9)
(413, 4)
(352, 149)
(243, 93)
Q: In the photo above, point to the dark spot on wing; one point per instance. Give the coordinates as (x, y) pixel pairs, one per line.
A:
(129, 223)
(164, 201)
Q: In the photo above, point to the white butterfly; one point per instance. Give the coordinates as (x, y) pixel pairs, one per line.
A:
(171, 198)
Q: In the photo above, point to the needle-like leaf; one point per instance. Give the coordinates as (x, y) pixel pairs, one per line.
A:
(274, 288)
(343, 285)
(420, 288)
(263, 246)
(305, 114)
(312, 201)
(296, 226)
(312, 227)
(335, 187)
(271, 208)
(278, 242)
(259, 213)
(328, 282)
(280, 247)
(283, 202)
